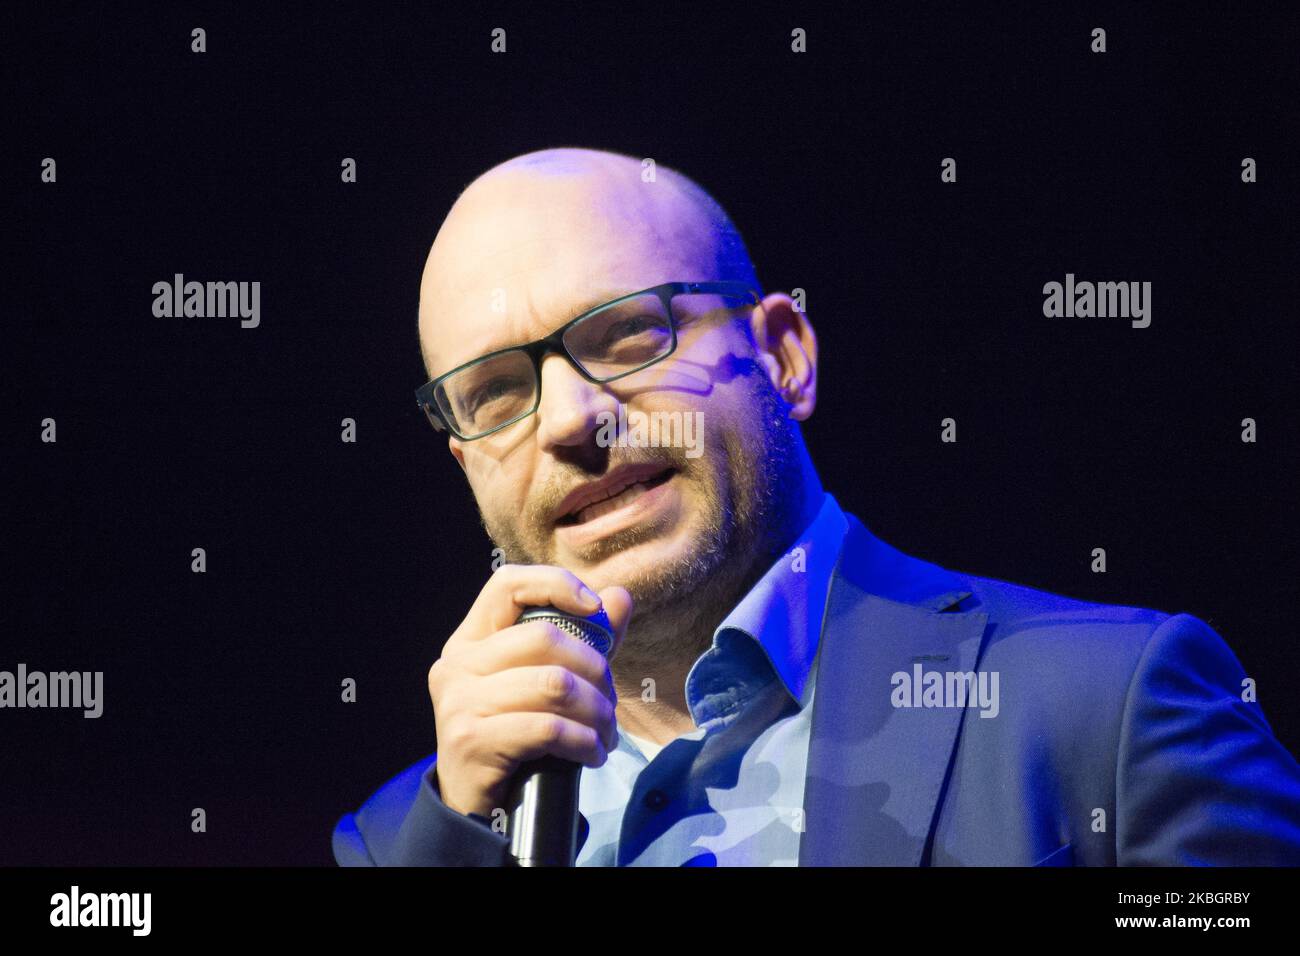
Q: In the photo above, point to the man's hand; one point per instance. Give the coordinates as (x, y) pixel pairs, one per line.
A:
(505, 693)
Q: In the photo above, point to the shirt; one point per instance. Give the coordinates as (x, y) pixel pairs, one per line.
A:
(729, 793)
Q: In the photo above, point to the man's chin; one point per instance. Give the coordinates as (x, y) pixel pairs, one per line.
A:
(635, 558)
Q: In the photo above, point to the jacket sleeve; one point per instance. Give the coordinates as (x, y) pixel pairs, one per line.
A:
(1200, 777)
(405, 823)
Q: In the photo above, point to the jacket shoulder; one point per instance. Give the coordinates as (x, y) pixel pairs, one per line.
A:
(1009, 601)
(1042, 622)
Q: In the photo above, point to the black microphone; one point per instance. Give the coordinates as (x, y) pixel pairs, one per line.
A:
(542, 802)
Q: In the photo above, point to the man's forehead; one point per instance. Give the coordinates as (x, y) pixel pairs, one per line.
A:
(516, 218)
(512, 263)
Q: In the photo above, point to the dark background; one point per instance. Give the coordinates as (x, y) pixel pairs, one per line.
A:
(329, 560)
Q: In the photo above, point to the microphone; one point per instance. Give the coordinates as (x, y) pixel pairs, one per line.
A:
(542, 804)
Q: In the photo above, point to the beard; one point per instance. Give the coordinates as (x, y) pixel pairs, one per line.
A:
(749, 482)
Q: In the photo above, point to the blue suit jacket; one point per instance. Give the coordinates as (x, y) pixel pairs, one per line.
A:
(1121, 738)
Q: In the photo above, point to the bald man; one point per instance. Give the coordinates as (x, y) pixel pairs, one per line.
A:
(784, 688)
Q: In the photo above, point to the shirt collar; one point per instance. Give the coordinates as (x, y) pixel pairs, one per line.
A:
(782, 612)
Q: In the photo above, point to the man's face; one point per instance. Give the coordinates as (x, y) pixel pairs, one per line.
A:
(520, 257)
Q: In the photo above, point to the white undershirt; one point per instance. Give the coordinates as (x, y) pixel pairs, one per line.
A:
(647, 747)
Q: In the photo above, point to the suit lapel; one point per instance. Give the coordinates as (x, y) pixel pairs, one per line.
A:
(875, 771)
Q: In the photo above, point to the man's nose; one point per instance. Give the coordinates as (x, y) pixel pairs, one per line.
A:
(571, 406)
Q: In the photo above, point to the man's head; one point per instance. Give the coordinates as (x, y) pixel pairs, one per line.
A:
(532, 243)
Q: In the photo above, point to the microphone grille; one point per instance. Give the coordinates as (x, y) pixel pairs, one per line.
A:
(594, 630)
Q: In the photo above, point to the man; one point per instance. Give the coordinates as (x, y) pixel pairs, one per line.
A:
(790, 689)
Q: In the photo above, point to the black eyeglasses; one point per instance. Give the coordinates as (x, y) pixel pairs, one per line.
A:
(603, 344)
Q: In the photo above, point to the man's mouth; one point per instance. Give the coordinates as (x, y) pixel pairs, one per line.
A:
(616, 491)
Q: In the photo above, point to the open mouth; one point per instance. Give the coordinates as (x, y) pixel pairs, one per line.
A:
(619, 497)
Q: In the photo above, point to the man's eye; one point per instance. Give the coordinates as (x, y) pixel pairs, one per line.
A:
(493, 390)
(627, 328)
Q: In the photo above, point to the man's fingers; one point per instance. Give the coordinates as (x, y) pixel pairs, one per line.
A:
(534, 735)
(548, 688)
(515, 587)
(535, 643)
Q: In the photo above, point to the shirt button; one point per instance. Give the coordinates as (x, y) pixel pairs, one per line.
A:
(656, 799)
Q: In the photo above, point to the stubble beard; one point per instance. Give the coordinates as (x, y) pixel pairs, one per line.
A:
(743, 523)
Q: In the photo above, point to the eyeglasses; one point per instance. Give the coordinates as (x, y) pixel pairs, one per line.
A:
(603, 344)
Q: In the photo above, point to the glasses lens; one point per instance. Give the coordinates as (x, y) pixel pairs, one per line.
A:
(480, 398)
(622, 336)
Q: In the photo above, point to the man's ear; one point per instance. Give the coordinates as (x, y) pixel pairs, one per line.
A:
(787, 347)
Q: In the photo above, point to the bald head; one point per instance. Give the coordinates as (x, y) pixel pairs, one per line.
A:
(536, 239)
(719, 239)
(544, 237)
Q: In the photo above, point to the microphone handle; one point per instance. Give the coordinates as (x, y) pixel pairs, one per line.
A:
(543, 812)
(542, 802)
